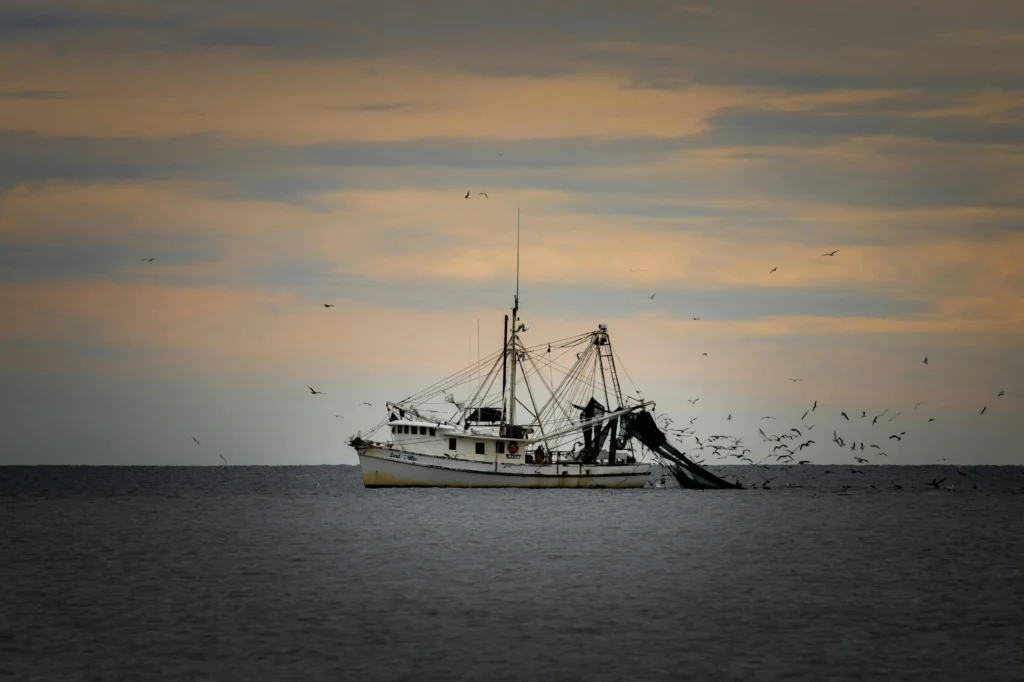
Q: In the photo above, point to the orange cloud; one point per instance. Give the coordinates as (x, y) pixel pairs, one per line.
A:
(153, 94)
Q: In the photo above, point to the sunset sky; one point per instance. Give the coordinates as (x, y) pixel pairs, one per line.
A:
(276, 156)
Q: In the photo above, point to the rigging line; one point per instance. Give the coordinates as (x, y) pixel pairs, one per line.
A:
(618, 362)
(467, 371)
(551, 390)
(480, 392)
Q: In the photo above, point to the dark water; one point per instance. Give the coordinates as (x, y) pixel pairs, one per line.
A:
(237, 573)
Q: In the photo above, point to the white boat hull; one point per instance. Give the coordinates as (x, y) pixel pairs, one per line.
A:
(386, 467)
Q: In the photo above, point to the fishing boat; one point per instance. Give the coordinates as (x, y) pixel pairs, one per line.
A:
(545, 415)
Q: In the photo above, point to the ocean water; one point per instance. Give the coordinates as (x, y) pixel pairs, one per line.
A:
(299, 573)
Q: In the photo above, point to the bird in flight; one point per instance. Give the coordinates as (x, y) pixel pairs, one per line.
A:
(796, 380)
(314, 392)
(920, 404)
(223, 460)
(875, 420)
(653, 295)
(703, 353)
(197, 442)
(338, 416)
(844, 416)
(365, 403)
(501, 153)
(484, 193)
(328, 305)
(696, 318)
(831, 254)
(805, 415)
(1000, 394)
(925, 361)
(932, 419)
(149, 260)
(692, 402)
(729, 418)
(983, 410)
(773, 269)
(467, 196)
(815, 406)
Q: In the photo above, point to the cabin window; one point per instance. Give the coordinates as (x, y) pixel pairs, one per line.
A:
(451, 443)
(433, 432)
(423, 430)
(405, 429)
(479, 448)
(499, 447)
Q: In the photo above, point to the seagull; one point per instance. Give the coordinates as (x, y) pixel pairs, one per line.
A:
(925, 361)
(197, 442)
(896, 485)
(815, 406)
(501, 153)
(936, 483)
(314, 392)
(484, 193)
(831, 254)
(692, 402)
(338, 416)
(875, 420)
(1000, 394)
(796, 380)
(932, 419)
(149, 260)
(983, 410)
(773, 269)
(805, 415)
(328, 305)
(696, 318)
(365, 403)
(703, 353)
(467, 196)
(768, 417)
(224, 460)
(861, 460)
(895, 415)
(653, 295)
(863, 414)
(729, 418)
(844, 416)
(960, 471)
(920, 404)
(896, 437)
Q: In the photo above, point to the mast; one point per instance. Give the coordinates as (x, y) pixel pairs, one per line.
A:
(514, 346)
(504, 375)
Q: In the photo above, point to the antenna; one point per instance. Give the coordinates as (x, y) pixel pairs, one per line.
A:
(517, 256)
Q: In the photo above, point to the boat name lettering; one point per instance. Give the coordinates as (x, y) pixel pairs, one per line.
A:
(510, 456)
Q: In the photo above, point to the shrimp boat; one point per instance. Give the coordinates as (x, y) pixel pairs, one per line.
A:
(579, 430)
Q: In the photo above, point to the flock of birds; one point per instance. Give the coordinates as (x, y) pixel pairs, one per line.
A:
(785, 446)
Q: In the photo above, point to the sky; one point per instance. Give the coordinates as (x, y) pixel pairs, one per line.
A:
(273, 157)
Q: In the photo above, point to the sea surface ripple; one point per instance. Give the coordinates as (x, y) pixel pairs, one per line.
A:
(273, 573)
